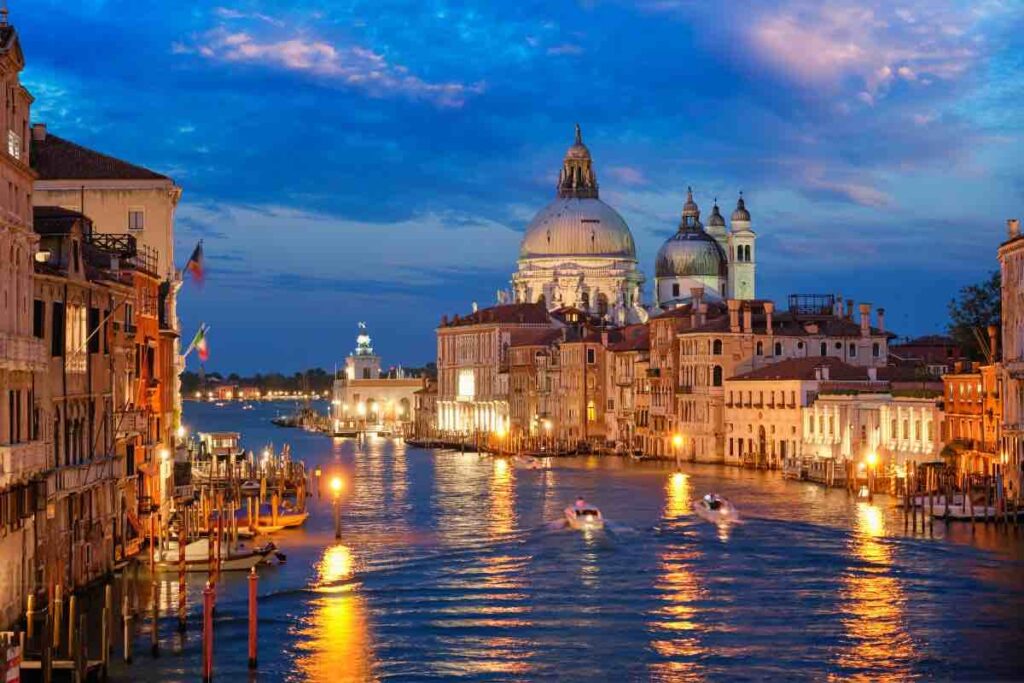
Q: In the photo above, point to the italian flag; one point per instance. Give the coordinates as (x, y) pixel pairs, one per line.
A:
(199, 343)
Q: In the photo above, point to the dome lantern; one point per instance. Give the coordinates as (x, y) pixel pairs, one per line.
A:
(741, 213)
(577, 178)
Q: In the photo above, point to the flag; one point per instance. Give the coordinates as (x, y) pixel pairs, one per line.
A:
(199, 343)
(195, 264)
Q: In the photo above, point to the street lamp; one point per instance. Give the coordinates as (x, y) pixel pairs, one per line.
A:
(547, 432)
(336, 485)
(677, 443)
(499, 434)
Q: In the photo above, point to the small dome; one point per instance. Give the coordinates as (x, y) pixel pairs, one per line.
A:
(690, 253)
(741, 213)
(690, 208)
(715, 220)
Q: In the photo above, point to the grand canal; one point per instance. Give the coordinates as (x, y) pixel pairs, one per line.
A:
(454, 566)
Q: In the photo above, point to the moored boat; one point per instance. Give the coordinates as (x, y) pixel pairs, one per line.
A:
(197, 556)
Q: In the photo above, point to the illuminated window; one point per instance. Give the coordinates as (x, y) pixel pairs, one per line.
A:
(74, 337)
(591, 412)
(467, 385)
(14, 144)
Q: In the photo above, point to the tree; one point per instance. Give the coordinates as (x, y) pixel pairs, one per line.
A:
(976, 307)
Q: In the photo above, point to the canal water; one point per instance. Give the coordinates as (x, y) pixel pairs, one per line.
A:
(456, 567)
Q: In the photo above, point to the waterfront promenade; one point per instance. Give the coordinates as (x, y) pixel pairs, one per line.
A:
(455, 566)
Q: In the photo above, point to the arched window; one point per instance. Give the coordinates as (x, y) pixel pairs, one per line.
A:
(853, 350)
(778, 348)
(716, 376)
(675, 289)
(716, 347)
(759, 349)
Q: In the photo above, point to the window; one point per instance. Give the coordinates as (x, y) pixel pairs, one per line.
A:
(591, 356)
(136, 219)
(799, 346)
(759, 349)
(39, 318)
(591, 412)
(853, 350)
(57, 329)
(366, 373)
(778, 348)
(824, 349)
(876, 349)
(675, 289)
(94, 326)
(716, 347)
(14, 144)
(75, 333)
(839, 346)
(716, 376)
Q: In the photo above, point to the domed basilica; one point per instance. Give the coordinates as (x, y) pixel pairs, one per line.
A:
(578, 252)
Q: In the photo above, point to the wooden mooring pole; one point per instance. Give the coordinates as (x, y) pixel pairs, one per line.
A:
(253, 617)
(208, 632)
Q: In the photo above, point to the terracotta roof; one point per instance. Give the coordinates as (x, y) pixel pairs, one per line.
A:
(804, 369)
(630, 338)
(787, 324)
(526, 314)
(534, 337)
(55, 158)
(56, 220)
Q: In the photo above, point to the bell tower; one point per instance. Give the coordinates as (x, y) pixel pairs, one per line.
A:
(742, 254)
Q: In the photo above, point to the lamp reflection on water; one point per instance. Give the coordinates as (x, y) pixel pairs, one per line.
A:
(334, 641)
(874, 603)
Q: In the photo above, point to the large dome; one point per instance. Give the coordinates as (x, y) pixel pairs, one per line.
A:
(577, 222)
(690, 253)
(578, 227)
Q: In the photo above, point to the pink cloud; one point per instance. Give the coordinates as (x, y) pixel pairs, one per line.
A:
(350, 65)
(628, 175)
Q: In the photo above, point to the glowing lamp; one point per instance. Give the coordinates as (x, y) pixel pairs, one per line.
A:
(677, 440)
(336, 485)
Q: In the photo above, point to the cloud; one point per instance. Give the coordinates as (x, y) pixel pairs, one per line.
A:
(867, 46)
(565, 49)
(350, 65)
(627, 175)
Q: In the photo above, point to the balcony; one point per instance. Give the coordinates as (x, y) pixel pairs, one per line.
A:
(19, 462)
(684, 389)
(131, 422)
(22, 353)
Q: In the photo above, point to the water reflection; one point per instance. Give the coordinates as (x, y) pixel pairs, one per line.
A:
(334, 640)
(877, 645)
(676, 624)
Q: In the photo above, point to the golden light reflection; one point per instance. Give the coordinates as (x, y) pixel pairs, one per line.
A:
(334, 641)
(874, 605)
(676, 625)
(677, 495)
(335, 565)
(502, 511)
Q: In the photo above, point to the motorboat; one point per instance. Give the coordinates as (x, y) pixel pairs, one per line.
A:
(287, 518)
(197, 556)
(583, 515)
(527, 462)
(715, 509)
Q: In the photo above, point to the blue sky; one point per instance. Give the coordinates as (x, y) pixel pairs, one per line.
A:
(376, 160)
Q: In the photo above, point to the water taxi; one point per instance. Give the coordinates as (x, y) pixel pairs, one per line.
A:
(715, 509)
(583, 515)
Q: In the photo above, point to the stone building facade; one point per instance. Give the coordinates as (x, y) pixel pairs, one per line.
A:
(1011, 372)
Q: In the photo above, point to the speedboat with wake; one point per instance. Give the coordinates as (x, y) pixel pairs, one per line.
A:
(715, 509)
(527, 462)
(583, 515)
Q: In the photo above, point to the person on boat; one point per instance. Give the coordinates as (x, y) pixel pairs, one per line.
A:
(713, 501)
(580, 502)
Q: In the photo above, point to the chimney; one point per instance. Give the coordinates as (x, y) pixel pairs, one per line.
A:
(849, 309)
(39, 132)
(881, 320)
(696, 294)
(748, 325)
(993, 343)
(702, 313)
(817, 373)
(865, 320)
(1013, 227)
(604, 338)
(837, 307)
(769, 308)
(824, 372)
(734, 315)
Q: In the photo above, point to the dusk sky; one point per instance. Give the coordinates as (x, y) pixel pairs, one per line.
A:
(378, 160)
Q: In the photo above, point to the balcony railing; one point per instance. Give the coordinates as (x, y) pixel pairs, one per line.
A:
(19, 352)
(21, 461)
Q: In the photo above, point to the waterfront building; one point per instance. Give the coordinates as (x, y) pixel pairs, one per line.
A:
(628, 386)
(582, 393)
(750, 335)
(362, 399)
(578, 252)
(666, 393)
(719, 262)
(1011, 370)
(23, 359)
(425, 409)
(472, 365)
(97, 372)
(531, 354)
(973, 417)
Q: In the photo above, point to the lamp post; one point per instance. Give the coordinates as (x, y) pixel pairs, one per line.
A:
(336, 486)
(547, 433)
(872, 462)
(499, 434)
